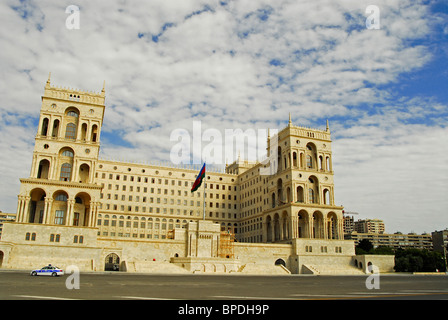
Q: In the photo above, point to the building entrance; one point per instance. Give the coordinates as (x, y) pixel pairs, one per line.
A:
(112, 262)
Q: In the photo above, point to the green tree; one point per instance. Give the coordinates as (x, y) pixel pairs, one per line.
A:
(364, 246)
(418, 260)
(402, 264)
(384, 250)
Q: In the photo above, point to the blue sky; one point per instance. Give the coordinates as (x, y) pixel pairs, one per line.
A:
(247, 64)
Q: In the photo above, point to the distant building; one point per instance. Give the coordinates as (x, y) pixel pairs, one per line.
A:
(6, 217)
(349, 224)
(396, 240)
(363, 226)
(369, 226)
(440, 240)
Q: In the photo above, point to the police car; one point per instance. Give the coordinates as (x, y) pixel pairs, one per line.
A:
(48, 271)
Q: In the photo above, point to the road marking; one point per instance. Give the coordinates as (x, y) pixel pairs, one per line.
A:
(370, 293)
(145, 298)
(45, 298)
(253, 298)
(373, 296)
(324, 295)
(424, 291)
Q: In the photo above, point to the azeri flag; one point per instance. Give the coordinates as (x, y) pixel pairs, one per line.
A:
(199, 179)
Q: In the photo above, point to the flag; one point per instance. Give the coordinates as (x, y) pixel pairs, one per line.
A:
(198, 181)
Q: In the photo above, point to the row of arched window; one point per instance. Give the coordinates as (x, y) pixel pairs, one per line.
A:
(56, 213)
(308, 159)
(66, 169)
(279, 198)
(71, 129)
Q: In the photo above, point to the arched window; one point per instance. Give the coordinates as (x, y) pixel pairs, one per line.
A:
(44, 127)
(94, 135)
(299, 194)
(61, 197)
(311, 156)
(84, 172)
(72, 113)
(55, 132)
(70, 132)
(43, 170)
(67, 153)
(326, 196)
(66, 172)
(84, 131)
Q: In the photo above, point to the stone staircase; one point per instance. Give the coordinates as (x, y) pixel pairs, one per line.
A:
(154, 267)
(331, 270)
(252, 268)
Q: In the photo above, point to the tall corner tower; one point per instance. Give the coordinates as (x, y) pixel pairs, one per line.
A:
(301, 192)
(61, 188)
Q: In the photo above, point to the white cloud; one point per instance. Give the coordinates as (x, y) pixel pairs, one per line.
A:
(393, 171)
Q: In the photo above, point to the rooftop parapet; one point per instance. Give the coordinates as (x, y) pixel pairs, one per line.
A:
(76, 95)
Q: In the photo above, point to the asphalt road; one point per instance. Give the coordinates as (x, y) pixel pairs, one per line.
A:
(19, 285)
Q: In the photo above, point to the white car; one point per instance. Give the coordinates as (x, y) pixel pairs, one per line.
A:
(48, 271)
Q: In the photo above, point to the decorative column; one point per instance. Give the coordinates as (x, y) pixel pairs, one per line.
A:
(75, 171)
(92, 209)
(19, 208)
(294, 226)
(47, 211)
(91, 213)
(325, 222)
(89, 130)
(280, 225)
(25, 207)
(91, 172)
(310, 225)
(70, 208)
(52, 169)
(34, 166)
(340, 229)
(94, 206)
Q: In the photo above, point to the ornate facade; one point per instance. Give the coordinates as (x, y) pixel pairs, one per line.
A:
(73, 198)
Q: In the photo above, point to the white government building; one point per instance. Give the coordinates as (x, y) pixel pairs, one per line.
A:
(76, 209)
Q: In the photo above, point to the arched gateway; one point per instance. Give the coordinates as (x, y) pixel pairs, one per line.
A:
(112, 262)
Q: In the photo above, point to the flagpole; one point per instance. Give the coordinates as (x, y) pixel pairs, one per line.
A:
(204, 194)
